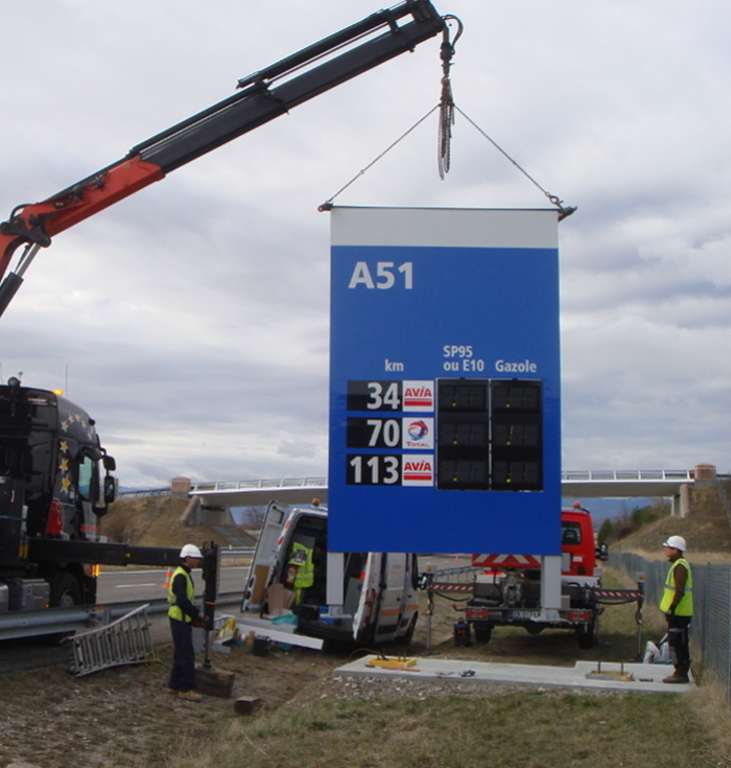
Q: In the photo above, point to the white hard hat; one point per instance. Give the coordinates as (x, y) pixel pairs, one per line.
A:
(676, 542)
(190, 550)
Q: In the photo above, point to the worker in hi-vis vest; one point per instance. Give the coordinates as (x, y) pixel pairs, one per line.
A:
(304, 574)
(677, 605)
(183, 615)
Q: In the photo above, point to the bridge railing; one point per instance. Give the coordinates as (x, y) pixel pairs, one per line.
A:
(287, 482)
(588, 475)
(145, 492)
(623, 475)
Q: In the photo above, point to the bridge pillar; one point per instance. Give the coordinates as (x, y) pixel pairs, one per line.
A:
(705, 474)
(180, 487)
(681, 503)
(197, 513)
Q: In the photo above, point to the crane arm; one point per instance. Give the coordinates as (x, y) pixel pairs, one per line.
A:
(260, 97)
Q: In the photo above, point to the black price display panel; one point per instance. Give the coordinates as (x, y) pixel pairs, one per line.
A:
(489, 434)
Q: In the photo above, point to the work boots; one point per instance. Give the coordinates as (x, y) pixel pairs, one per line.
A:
(680, 675)
(190, 695)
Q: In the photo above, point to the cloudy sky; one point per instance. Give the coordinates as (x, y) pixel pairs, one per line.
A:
(191, 320)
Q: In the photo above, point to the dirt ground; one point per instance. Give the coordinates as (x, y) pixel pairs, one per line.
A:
(124, 718)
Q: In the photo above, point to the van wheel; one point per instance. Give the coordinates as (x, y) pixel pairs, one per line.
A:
(408, 636)
(483, 631)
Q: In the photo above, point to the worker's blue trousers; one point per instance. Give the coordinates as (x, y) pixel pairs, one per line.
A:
(182, 675)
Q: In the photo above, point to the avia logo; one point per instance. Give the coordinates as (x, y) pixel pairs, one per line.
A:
(418, 470)
(417, 466)
(418, 430)
(418, 395)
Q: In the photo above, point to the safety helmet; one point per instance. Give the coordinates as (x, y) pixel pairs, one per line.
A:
(676, 542)
(190, 550)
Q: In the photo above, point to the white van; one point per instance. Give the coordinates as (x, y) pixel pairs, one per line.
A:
(289, 573)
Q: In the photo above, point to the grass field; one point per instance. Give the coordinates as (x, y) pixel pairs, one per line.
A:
(433, 725)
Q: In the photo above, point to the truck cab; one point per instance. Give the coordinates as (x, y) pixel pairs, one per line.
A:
(579, 551)
(54, 488)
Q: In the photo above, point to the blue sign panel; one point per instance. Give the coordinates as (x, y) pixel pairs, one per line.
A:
(444, 382)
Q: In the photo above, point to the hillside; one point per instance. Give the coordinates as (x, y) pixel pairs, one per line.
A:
(707, 531)
(154, 521)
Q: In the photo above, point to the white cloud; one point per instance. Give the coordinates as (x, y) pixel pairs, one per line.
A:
(191, 319)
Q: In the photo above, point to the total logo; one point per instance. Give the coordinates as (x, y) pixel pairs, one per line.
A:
(417, 469)
(418, 434)
(418, 395)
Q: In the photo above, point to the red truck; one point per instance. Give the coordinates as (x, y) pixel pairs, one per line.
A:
(511, 590)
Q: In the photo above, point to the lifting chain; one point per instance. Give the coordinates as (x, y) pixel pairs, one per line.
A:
(446, 103)
(447, 109)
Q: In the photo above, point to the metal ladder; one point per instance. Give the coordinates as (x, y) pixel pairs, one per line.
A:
(125, 641)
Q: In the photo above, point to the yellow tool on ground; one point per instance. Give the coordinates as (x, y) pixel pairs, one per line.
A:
(394, 663)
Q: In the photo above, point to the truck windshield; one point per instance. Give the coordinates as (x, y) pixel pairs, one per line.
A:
(570, 533)
(86, 478)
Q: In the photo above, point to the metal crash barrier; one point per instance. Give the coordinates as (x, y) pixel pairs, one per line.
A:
(125, 641)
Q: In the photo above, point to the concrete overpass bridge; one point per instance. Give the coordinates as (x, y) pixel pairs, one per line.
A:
(675, 484)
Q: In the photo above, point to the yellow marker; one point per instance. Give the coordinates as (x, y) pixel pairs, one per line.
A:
(386, 663)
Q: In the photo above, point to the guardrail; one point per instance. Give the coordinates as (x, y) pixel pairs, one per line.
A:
(51, 621)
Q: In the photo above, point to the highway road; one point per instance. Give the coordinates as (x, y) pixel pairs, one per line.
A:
(124, 585)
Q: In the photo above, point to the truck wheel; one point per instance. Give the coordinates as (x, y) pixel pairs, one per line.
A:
(483, 631)
(587, 635)
(65, 591)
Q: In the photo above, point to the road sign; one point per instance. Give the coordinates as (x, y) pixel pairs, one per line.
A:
(444, 381)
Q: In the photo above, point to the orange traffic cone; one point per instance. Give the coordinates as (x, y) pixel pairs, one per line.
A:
(168, 576)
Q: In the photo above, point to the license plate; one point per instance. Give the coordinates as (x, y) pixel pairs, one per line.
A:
(525, 615)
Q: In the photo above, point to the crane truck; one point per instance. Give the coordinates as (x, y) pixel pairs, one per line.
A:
(55, 477)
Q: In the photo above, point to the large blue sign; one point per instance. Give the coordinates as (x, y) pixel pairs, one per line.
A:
(444, 381)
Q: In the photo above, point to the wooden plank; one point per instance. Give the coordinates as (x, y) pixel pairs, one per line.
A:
(279, 636)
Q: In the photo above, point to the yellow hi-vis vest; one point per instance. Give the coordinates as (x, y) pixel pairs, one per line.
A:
(685, 606)
(175, 611)
(305, 576)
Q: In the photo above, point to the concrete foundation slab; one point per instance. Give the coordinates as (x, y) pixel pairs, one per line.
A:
(613, 676)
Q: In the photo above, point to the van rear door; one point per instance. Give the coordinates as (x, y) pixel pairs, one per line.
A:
(395, 588)
(267, 548)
